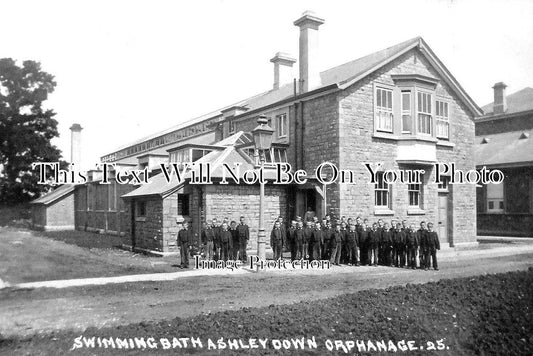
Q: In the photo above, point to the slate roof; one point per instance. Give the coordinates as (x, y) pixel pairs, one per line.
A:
(505, 149)
(159, 186)
(520, 101)
(54, 195)
(341, 76)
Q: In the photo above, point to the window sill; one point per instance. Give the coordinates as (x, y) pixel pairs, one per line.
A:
(445, 143)
(140, 218)
(381, 211)
(405, 137)
(415, 211)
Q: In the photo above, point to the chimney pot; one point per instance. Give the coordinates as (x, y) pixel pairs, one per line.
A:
(282, 69)
(500, 99)
(308, 56)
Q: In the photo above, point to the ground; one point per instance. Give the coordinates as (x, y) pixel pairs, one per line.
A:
(220, 302)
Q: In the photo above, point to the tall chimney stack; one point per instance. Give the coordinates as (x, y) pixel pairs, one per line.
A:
(500, 99)
(282, 69)
(75, 144)
(309, 55)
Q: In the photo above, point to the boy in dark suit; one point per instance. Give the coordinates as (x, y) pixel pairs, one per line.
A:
(432, 246)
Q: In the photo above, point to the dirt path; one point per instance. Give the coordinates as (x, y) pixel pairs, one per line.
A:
(25, 312)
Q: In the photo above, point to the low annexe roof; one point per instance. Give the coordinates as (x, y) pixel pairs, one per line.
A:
(55, 195)
(508, 149)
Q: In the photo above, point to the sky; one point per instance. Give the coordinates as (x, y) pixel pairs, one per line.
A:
(128, 69)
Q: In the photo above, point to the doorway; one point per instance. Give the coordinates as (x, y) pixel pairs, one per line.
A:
(442, 223)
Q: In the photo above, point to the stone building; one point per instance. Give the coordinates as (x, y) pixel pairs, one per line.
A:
(504, 141)
(400, 106)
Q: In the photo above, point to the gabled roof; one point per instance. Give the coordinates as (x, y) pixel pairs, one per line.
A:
(512, 148)
(341, 77)
(55, 195)
(159, 186)
(520, 101)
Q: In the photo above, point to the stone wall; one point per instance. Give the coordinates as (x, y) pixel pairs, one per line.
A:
(232, 201)
(358, 145)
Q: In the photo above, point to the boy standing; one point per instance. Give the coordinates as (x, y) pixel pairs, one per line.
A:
(432, 246)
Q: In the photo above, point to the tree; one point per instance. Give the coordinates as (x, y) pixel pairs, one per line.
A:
(26, 129)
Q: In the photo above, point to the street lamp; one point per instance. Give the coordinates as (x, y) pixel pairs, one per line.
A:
(262, 135)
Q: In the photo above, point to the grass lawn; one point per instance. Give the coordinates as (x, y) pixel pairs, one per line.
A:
(486, 315)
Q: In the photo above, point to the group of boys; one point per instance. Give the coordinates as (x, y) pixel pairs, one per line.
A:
(356, 242)
(344, 241)
(225, 240)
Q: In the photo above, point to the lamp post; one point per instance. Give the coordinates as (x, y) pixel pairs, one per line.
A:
(262, 136)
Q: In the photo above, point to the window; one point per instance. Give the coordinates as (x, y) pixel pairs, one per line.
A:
(415, 194)
(198, 153)
(495, 198)
(443, 121)
(183, 204)
(444, 185)
(383, 114)
(381, 191)
(281, 125)
(141, 208)
(425, 121)
(112, 196)
(407, 119)
(232, 127)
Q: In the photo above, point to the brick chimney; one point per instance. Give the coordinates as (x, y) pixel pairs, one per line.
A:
(282, 69)
(500, 99)
(309, 55)
(75, 144)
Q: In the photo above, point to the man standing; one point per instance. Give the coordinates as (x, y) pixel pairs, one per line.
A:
(185, 239)
(327, 234)
(386, 241)
(309, 214)
(244, 236)
(432, 247)
(276, 240)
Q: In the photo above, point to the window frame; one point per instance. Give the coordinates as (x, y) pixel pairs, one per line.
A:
(183, 201)
(404, 112)
(385, 189)
(428, 114)
(499, 202)
(379, 110)
(281, 125)
(232, 126)
(442, 118)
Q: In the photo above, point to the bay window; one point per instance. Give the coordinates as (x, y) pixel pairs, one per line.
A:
(407, 118)
(443, 120)
(424, 115)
